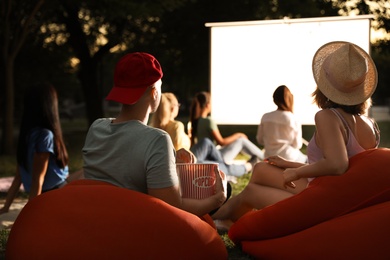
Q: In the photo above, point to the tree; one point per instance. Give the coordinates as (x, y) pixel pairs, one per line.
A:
(95, 28)
(97, 32)
(18, 20)
(91, 28)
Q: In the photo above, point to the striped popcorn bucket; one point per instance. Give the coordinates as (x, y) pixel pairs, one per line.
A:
(197, 180)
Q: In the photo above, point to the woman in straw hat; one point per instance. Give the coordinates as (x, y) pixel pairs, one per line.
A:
(346, 78)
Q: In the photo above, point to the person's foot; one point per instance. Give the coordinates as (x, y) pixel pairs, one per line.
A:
(231, 179)
(253, 160)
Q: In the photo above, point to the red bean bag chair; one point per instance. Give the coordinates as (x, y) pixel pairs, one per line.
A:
(362, 234)
(95, 220)
(317, 211)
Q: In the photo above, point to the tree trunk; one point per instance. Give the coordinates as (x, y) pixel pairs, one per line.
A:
(8, 139)
(92, 94)
(10, 48)
(88, 64)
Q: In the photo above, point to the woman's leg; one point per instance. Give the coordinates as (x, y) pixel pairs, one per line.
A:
(266, 187)
(206, 151)
(236, 170)
(252, 197)
(229, 152)
(250, 148)
(269, 175)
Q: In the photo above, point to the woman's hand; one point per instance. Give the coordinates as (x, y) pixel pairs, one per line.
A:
(290, 175)
(278, 161)
(185, 156)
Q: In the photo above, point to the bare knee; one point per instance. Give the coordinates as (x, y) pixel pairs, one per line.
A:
(258, 170)
(267, 175)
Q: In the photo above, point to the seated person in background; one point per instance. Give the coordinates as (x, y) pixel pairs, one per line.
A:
(204, 151)
(279, 131)
(346, 78)
(42, 157)
(126, 152)
(164, 118)
(203, 126)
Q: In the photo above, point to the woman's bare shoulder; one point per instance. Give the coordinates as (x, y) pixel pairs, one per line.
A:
(325, 115)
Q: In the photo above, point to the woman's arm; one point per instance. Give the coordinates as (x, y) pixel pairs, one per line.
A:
(40, 164)
(280, 162)
(260, 134)
(13, 190)
(330, 139)
(227, 140)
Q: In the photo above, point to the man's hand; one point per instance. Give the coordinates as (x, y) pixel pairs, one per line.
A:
(220, 185)
(185, 156)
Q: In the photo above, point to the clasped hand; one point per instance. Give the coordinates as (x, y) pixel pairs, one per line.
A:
(289, 174)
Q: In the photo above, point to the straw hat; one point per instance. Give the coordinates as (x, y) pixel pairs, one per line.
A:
(344, 73)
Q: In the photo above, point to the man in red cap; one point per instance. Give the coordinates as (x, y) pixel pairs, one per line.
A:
(128, 153)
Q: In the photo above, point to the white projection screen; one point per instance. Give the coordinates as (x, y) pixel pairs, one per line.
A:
(249, 60)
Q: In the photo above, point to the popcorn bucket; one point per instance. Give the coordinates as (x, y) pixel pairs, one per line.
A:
(197, 180)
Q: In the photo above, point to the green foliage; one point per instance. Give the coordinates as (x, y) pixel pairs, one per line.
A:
(172, 30)
(7, 165)
(241, 183)
(233, 250)
(4, 233)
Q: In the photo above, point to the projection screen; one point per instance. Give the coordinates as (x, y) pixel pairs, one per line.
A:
(249, 60)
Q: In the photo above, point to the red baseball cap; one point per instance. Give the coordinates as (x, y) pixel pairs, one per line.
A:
(134, 73)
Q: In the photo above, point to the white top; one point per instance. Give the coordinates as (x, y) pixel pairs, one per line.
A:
(281, 134)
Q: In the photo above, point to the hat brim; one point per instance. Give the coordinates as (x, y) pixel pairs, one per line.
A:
(128, 96)
(352, 98)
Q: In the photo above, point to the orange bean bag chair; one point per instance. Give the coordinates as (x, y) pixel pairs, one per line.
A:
(335, 217)
(95, 220)
(362, 234)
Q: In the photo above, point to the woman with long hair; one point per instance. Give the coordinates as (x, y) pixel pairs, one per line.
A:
(279, 131)
(42, 157)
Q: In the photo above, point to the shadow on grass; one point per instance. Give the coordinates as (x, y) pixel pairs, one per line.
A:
(234, 251)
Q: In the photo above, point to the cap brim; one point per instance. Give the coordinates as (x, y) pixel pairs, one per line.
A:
(128, 96)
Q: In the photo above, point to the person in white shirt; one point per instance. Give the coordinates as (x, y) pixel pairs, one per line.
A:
(279, 131)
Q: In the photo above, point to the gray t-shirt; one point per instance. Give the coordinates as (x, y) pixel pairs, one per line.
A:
(130, 154)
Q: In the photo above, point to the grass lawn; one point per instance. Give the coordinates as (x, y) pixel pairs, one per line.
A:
(74, 134)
